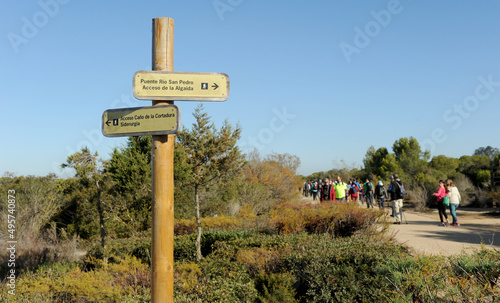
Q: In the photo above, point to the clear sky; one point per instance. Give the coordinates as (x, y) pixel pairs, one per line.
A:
(323, 80)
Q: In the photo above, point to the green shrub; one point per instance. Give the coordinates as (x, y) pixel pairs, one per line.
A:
(126, 281)
(275, 288)
(340, 270)
(465, 278)
(221, 281)
(138, 247)
(475, 276)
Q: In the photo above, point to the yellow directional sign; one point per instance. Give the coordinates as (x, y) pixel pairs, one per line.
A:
(141, 121)
(180, 86)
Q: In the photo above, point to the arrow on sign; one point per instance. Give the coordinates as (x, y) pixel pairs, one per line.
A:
(215, 86)
(107, 122)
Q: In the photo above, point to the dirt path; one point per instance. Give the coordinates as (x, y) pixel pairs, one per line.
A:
(424, 235)
(421, 231)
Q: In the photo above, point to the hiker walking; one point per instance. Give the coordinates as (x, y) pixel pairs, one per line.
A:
(326, 190)
(340, 189)
(381, 194)
(455, 200)
(354, 191)
(369, 193)
(442, 192)
(397, 190)
(354, 181)
(314, 189)
(391, 195)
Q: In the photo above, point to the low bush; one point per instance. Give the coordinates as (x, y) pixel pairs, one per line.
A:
(221, 281)
(468, 277)
(340, 270)
(138, 246)
(126, 281)
(241, 265)
(339, 219)
(38, 248)
(275, 287)
(188, 226)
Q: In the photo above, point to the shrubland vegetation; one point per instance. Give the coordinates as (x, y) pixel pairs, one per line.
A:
(88, 238)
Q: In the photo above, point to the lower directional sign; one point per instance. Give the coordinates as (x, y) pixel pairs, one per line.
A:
(141, 121)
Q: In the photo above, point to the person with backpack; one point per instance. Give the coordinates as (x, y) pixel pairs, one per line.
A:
(381, 194)
(398, 192)
(314, 189)
(441, 194)
(359, 188)
(369, 193)
(354, 191)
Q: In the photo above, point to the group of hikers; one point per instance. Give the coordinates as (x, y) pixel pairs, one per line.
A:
(326, 190)
(448, 195)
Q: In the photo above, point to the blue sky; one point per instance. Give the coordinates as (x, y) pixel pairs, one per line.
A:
(323, 80)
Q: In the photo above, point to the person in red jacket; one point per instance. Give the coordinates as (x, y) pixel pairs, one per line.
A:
(354, 191)
(442, 192)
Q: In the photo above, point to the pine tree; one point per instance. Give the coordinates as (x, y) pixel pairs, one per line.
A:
(212, 155)
(89, 170)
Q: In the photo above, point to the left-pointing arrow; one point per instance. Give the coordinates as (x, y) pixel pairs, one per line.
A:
(107, 122)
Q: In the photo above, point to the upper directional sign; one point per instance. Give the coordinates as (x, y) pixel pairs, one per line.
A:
(141, 121)
(180, 86)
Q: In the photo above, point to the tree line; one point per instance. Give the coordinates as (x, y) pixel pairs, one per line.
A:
(421, 173)
(111, 199)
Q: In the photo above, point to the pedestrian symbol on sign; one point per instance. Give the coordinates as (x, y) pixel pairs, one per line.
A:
(204, 85)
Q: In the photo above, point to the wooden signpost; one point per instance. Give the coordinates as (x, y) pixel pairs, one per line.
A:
(162, 242)
(161, 120)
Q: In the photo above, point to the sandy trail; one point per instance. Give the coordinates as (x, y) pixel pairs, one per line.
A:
(421, 231)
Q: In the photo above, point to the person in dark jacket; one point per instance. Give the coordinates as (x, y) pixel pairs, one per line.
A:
(326, 191)
(397, 190)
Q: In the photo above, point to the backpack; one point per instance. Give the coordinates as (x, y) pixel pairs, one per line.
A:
(369, 189)
(446, 201)
(354, 189)
(402, 190)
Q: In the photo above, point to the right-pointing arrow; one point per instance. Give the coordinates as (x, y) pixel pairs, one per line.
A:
(215, 86)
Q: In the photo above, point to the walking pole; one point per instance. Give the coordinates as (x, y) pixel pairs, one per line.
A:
(403, 215)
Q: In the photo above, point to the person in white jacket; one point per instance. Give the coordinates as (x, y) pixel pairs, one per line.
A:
(455, 200)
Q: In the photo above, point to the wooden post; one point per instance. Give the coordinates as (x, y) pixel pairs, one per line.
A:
(162, 244)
